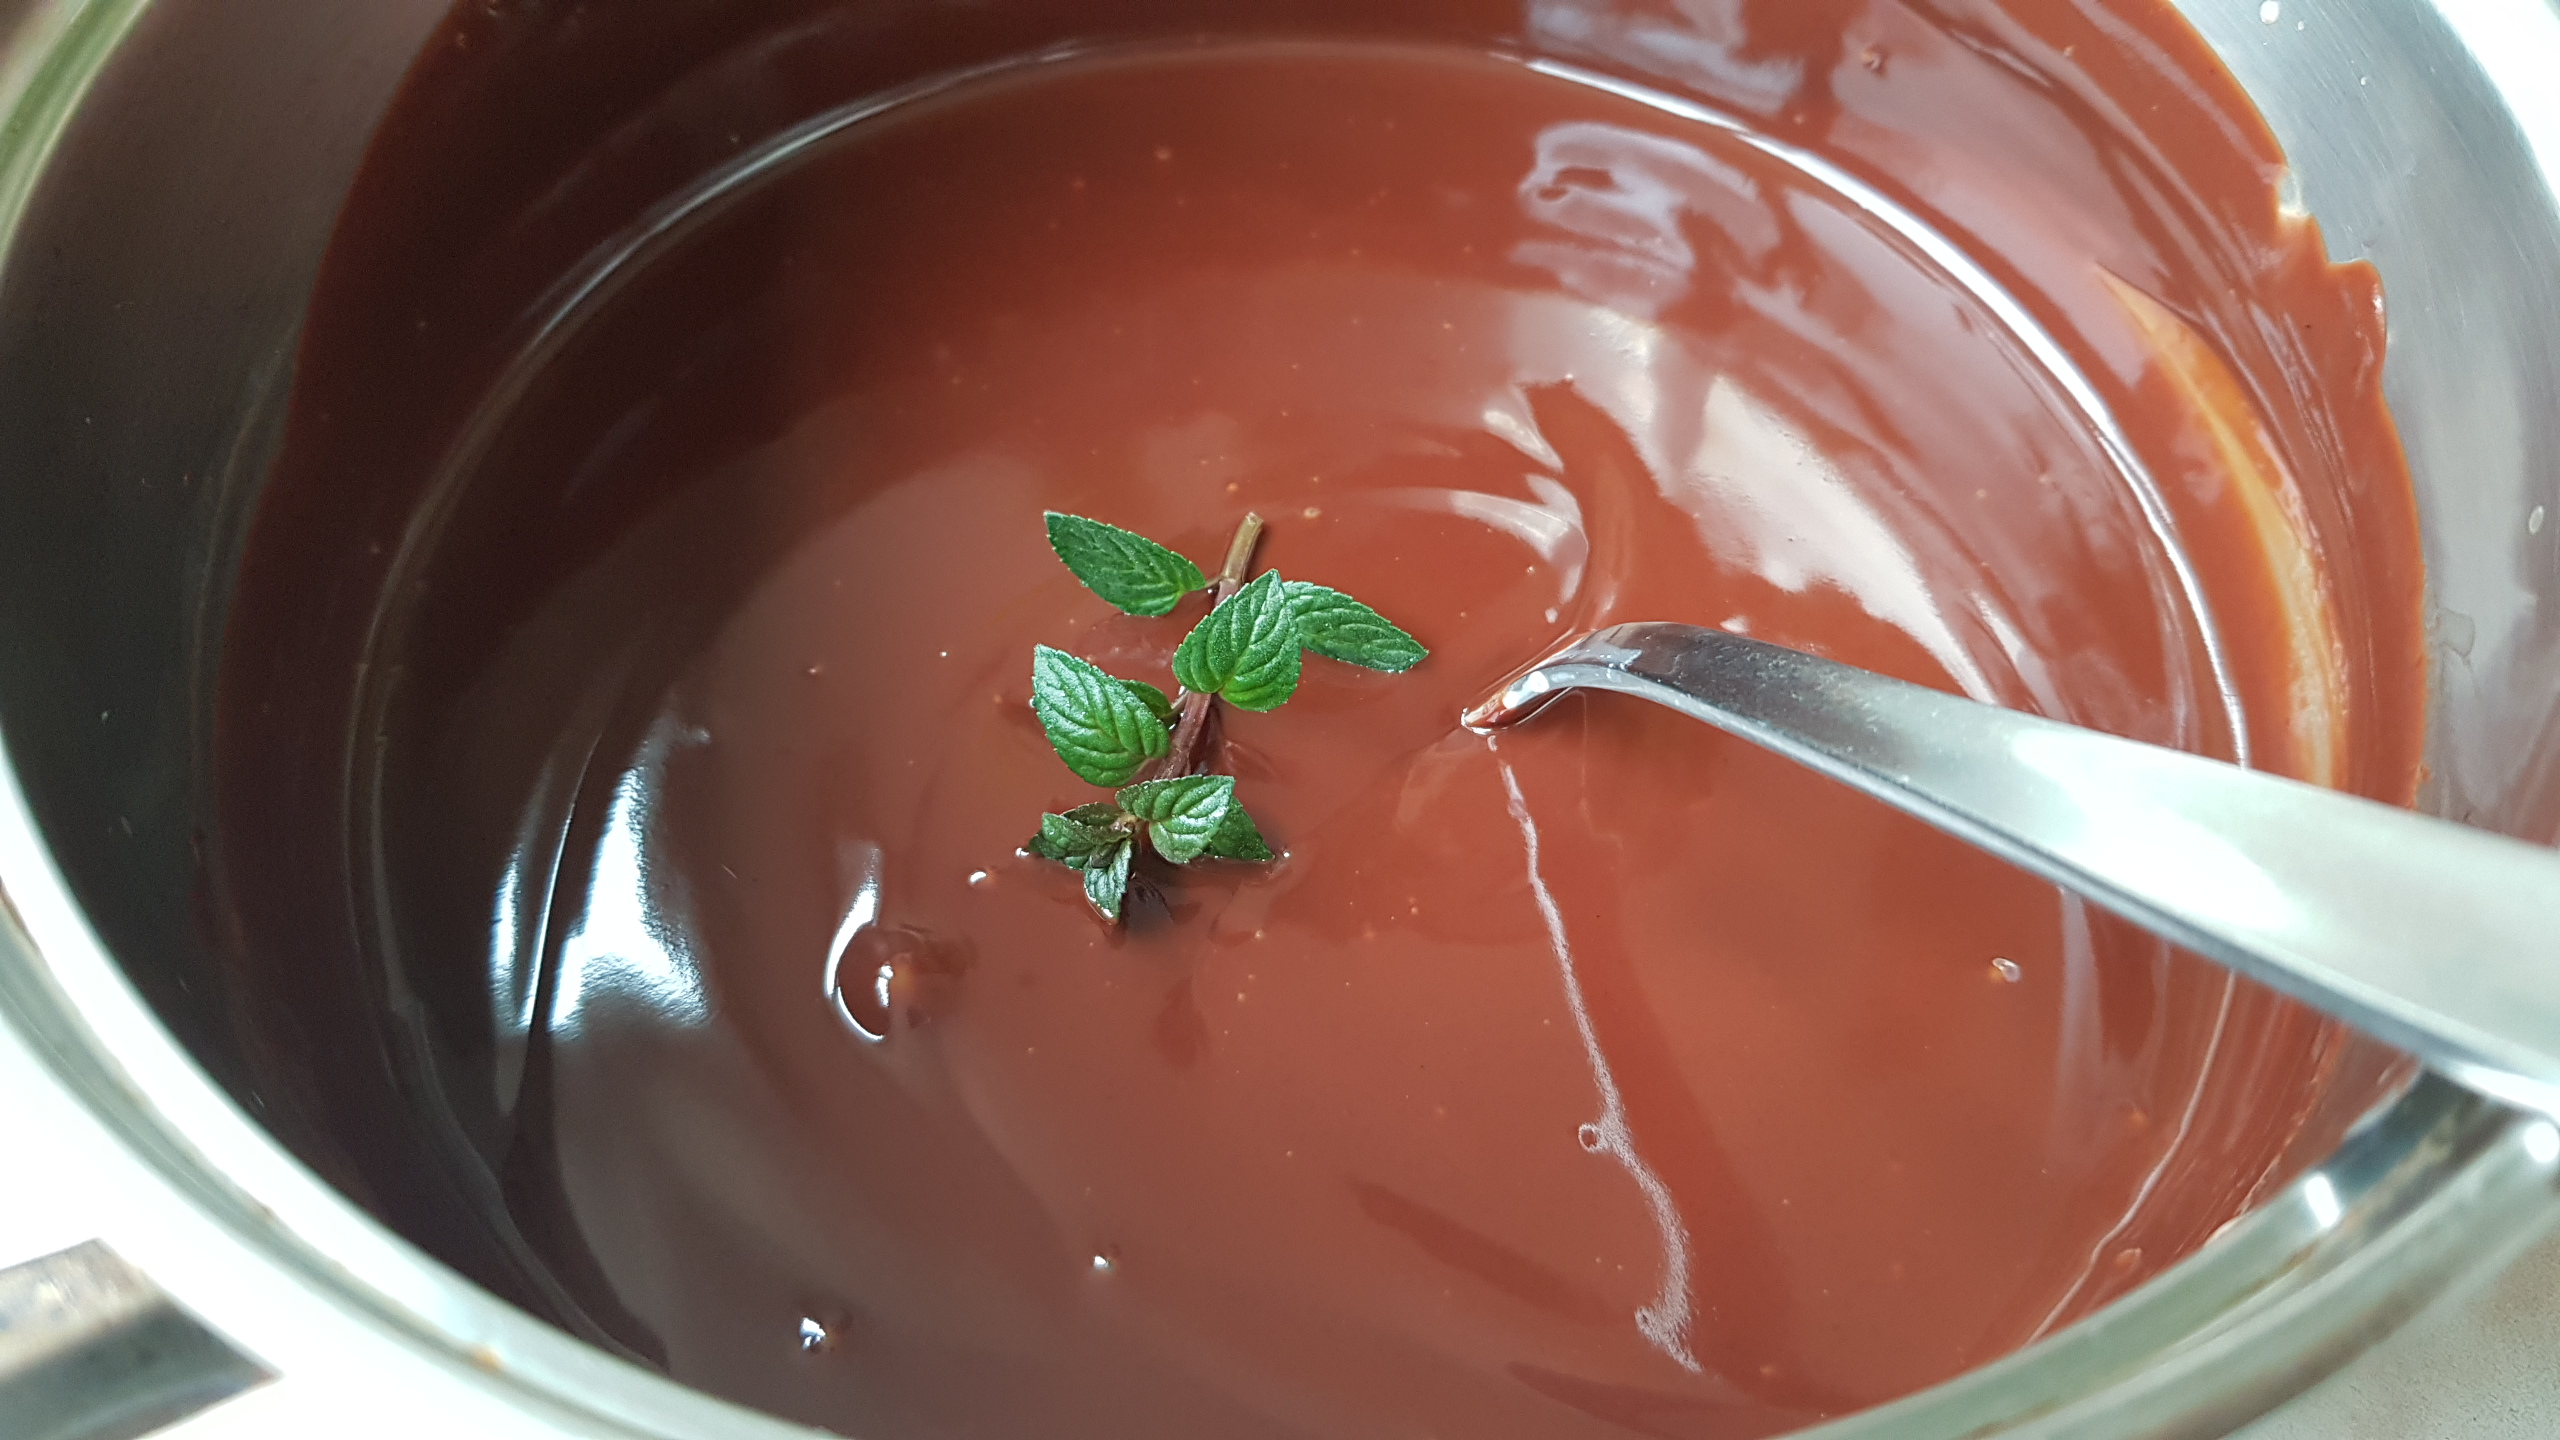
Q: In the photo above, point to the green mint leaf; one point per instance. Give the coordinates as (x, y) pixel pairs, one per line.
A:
(1106, 880)
(1247, 650)
(1071, 841)
(1183, 814)
(1156, 699)
(1101, 815)
(1338, 627)
(1129, 570)
(1098, 725)
(1237, 839)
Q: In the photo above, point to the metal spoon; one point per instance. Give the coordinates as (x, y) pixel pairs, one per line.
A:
(2438, 938)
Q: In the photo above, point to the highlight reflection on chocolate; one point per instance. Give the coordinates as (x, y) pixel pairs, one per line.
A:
(1608, 1079)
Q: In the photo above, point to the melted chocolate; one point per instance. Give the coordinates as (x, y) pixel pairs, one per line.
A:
(675, 477)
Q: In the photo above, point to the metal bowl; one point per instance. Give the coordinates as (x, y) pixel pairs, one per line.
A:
(169, 177)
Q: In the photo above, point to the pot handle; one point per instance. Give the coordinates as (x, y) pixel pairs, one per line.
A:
(90, 1349)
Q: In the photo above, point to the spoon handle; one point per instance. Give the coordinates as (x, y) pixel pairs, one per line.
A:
(2436, 937)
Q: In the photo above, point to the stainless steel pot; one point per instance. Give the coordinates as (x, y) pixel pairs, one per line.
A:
(168, 179)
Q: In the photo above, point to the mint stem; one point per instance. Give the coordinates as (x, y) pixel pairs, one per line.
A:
(1239, 566)
(1195, 727)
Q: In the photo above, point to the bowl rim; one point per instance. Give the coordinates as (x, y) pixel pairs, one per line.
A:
(2434, 1187)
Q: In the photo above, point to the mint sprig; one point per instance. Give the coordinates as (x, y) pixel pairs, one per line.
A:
(1101, 727)
(1127, 569)
(1338, 627)
(1187, 818)
(1106, 883)
(1248, 651)
(1075, 840)
(1155, 699)
(1187, 815)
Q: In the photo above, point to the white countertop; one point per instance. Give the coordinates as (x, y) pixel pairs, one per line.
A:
(2484, 1365)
